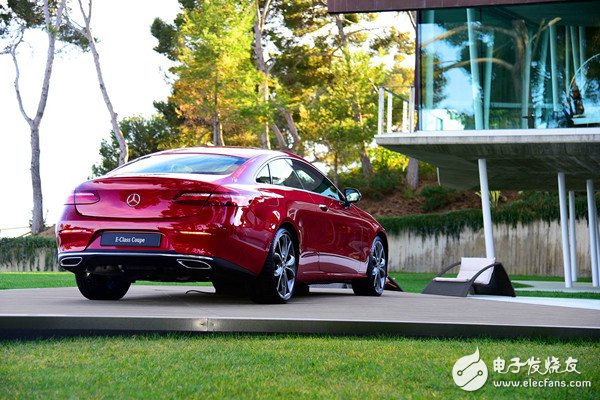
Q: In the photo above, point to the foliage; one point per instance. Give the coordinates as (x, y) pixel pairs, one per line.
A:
(316, 84)
(531, 207)
(382, 183)
(342, 116)
(436, 197)
(143, 136)
(25, 250)
(214, 94)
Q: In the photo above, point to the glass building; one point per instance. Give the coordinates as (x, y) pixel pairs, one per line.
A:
(510, 67)
(507, 98)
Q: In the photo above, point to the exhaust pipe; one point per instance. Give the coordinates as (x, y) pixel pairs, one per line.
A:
(70, 261)
(193, 264)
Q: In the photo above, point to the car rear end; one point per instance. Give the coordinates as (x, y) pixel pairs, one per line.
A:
(169, 217)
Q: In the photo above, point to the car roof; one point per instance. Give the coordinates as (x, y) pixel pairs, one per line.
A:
(246, 152)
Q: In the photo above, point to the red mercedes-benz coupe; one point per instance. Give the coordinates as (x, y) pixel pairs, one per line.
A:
(262, 222)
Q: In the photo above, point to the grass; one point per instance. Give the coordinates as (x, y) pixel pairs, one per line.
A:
(275, 366)
(415, 282)
(409, 281)
(27, 280)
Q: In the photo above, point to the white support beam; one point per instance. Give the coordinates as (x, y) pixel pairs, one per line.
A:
(487, 91)
(553, 68)
(573, 235)
(564, 225)
(380, 113)
(428, 35)
(525, 112)
(593, 227)
(475, 79)
(411, 110)
(486, 209)
(390, 100)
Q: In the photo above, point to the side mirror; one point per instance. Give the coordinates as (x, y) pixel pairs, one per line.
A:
(352, 195)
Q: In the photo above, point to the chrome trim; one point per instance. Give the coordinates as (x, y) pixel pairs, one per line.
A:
(126, 254)
(183, 262)
(78, 260)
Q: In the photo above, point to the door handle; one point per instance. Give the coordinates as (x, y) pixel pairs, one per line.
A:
(323, 207)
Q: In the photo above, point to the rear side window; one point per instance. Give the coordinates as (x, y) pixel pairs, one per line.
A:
(209, 164)
(283, 174)
(315, 181)
(263, 176)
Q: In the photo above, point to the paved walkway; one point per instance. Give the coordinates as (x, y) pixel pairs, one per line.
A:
(324, 311)
(547, 286)
(546, 301)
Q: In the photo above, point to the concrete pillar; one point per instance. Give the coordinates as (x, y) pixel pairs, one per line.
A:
(572, 235)
(564, 225)
(593, 227)
(486, 209)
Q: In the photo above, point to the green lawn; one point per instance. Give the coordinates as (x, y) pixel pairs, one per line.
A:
(274, 366)
(415, 282)
(409, 281)
(26, 280)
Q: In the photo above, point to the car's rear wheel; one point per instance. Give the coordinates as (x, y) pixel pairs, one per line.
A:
(102, 287)
(277, 281)
(374, 283)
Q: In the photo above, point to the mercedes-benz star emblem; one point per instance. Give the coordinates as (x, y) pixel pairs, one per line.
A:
(133, 200)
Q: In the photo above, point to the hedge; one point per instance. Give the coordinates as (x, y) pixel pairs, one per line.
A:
(534, 207)
(25, 249)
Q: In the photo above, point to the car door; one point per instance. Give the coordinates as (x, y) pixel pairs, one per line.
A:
(342, 233)
(279, 180)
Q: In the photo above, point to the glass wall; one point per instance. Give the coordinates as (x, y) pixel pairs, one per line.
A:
(519, 67)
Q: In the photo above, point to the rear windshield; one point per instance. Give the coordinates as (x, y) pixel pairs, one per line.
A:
(210, 164)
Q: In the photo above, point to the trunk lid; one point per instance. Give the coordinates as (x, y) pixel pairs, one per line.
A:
(143, 197)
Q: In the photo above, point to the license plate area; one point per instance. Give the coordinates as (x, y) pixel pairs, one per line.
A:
(130, 239)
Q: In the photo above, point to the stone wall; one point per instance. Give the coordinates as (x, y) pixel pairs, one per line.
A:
(532, 249)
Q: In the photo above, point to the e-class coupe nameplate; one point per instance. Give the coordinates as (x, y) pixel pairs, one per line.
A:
(130, 239)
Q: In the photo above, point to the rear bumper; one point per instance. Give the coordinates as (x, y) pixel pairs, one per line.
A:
(152, 265)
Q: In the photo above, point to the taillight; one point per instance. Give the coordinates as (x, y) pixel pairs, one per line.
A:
(227, 199)
(192, 198)
(83, 197)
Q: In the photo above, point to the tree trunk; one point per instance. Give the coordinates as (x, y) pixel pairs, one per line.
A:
(37, 218)
(412, 173)
(261, 65)
(365, 162)
(292, 128)
(335, 170)
(87, 32)
(217, 130)
(216, 122)
(280, 139)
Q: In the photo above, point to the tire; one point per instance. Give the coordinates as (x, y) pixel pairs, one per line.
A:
(277, 280)
(102, 287)
(374, 283)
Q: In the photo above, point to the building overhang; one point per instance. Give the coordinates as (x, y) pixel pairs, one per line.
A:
(357, 6)
(516, 159)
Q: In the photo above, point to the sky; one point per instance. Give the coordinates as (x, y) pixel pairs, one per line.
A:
(76, 118)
